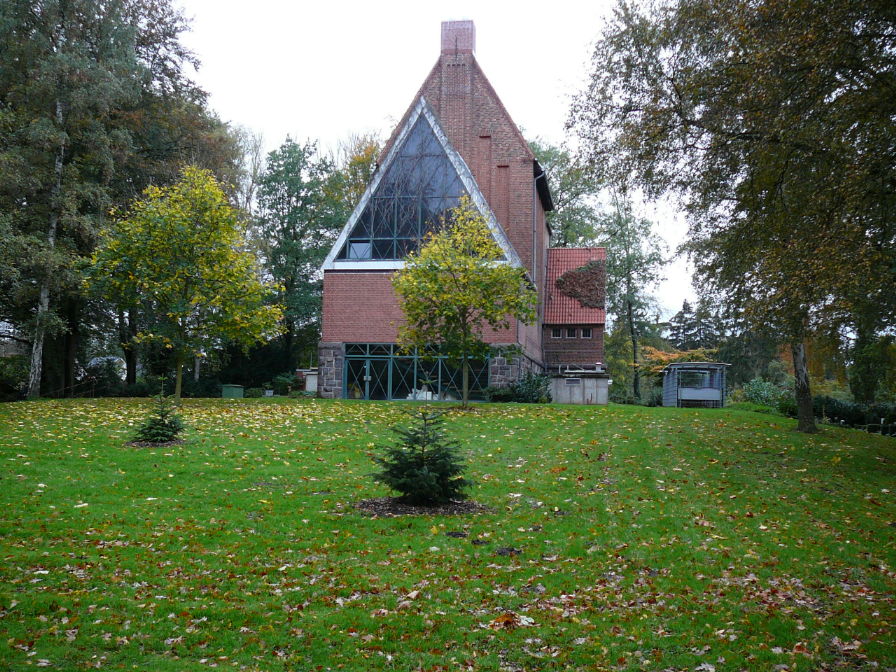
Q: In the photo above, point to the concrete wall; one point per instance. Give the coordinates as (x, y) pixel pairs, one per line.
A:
(587, 389)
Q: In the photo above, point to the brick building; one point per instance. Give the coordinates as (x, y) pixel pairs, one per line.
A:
(455, 139)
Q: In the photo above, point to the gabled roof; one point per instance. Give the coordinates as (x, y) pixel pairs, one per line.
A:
(559, 308)
(469, 58)
(420, 111)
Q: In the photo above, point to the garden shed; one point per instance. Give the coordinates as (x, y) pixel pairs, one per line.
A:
(694, 384)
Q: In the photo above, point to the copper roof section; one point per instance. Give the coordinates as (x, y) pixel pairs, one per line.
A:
(559, 308)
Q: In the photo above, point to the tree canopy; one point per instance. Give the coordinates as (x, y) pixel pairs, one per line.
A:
(635, 259)
(178, 253)
(574, 191)
(301, 207)
(456, 286)
(774, 121)
(94, 105)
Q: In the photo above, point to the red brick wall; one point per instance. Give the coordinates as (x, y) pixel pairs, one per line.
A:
(361, 307)
(574, 350)
(470, 111)
(480, 129)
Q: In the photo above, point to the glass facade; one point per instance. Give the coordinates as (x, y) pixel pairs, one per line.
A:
(419, 186)
(382, 371)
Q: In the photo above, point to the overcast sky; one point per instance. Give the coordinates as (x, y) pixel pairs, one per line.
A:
(324, 70)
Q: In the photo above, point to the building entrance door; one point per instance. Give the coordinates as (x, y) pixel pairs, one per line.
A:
(367, 379)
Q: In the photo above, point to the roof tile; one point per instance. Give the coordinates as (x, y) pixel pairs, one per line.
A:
(562, 309)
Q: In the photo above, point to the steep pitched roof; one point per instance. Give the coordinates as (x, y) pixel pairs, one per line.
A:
(434, 84)
(561, 309)
(420, 112)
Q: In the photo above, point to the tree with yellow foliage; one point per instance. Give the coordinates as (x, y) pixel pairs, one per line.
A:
(178, 254)
(457, 285)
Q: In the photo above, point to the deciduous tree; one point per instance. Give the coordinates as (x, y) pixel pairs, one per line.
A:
(94, 105)
(177, 252)
(774, 121)
(456, 286)
(575, 217)
(635, 257)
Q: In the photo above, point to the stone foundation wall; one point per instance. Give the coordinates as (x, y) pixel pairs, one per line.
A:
(331, 358)
(506, 370)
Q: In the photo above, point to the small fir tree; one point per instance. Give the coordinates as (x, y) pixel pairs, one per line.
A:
(424, 466)
(164, 425)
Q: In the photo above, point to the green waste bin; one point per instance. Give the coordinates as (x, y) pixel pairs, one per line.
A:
(232, 391)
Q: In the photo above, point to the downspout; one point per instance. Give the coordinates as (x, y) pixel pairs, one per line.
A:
(543, 297)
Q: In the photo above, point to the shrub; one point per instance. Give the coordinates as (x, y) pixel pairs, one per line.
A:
(139, 389)
(532, 388)
(620, 395)
(498, 394)
(786, 405)
(284, 383)
(761, 391)
(163, 425)
(252, 392)
(206, 388)
(301, 394)
(853, 414)
(653, 397)
(13, 377)
(424, 466)
(101, 378)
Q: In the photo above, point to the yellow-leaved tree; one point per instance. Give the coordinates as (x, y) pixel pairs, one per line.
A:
(457, 285)
(178, 254)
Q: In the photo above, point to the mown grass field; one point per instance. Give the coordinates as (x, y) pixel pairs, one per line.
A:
(618, 538)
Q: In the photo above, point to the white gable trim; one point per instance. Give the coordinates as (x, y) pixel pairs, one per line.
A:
(466, 177)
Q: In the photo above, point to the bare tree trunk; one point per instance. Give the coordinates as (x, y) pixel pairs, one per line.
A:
(466, 381)
(804, 414)
(178, 376)
(127, 330)
(43, 303)
(37, 346)
(636, 367)
(71, 347)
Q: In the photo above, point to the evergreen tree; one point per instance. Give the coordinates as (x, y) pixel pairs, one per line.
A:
(682, 327)
(300, 211)
(424, 466)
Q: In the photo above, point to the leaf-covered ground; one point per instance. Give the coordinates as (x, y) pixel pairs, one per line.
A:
(616, 538)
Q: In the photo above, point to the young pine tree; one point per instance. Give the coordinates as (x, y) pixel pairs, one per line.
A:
(424, 466)
(164, 425)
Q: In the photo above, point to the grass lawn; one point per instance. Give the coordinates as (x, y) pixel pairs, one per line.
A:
(617, 538)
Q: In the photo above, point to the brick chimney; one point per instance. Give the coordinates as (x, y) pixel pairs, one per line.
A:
(458, 37)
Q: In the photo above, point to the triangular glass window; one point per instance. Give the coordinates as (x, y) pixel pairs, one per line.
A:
(417, 189)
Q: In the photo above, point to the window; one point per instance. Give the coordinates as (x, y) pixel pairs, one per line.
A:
(570, 333)
(419, 186)
(384, 371)
(556, 332)
(586, 333)
(693, 379)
